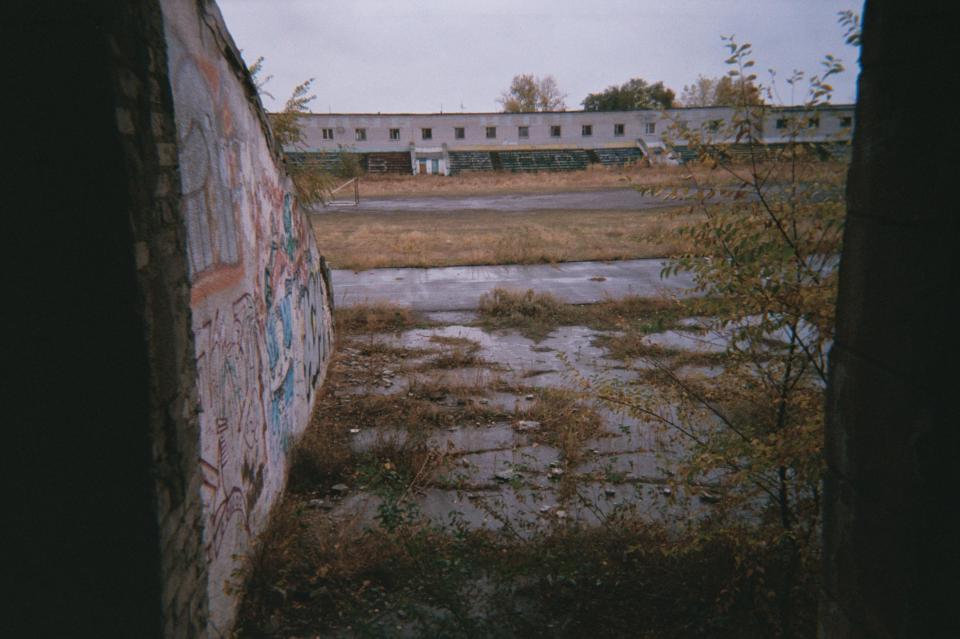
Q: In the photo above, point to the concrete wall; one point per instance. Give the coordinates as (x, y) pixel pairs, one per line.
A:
(258, 298)
(172, 320)
(891, 563)
(571, 123)
(145, 119)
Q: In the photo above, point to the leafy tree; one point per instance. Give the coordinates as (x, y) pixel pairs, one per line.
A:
(632, 95)
(530, 93)
(699, 94)
(752, 428)
(722, 91)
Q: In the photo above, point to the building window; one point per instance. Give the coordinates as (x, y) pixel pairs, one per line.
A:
(426, 134)
(394, 134)
(555, 131)
(782, 123)
(714, 125)
(650, 128)
(523, 132)
(846, 122)
(586, 130)
(327, 134)
(491, 132)
(459, 132)
(361, 134)
(618, 130)
(813, 123)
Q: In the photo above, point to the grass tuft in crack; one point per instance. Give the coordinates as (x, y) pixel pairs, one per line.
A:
(377, 317)
(536, 315)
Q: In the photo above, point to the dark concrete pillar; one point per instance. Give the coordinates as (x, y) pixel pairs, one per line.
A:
(891, 540)
(99, 353)
(86, 561)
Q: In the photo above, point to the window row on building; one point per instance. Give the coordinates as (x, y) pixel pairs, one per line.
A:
(813, 122)
(597, 132)
(490, 132)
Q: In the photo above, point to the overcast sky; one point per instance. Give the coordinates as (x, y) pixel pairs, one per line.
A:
(428, 55)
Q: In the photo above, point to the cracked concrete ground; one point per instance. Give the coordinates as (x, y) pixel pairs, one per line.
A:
(507, 472)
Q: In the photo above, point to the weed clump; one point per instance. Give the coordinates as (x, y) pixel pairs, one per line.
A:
(456, 352)
(531, 312)
(567, 421)
(379, 317)
(322, 457)
(504, 303)
(537, 314)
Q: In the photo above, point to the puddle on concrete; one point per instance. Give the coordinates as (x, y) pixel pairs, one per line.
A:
(562, 360)
(451, 317)
(688, 341)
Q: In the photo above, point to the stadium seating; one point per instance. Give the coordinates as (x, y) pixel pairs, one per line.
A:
(467, 161)
(618, 157)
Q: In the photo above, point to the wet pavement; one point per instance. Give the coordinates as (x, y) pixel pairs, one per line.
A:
(457, 288)
(626, 199)
(503, 473)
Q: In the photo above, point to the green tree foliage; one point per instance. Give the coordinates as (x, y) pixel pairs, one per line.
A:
(633, 95)
(752, 429)
(722, 91)
(530, 93)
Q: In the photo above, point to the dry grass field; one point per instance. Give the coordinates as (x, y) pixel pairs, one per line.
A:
(364, 240)
(595, 177)
(359, 240)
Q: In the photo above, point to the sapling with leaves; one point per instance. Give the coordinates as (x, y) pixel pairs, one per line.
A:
(751, 430)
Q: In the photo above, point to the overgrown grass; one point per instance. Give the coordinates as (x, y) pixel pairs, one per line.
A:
(624, 579)
(403, 576)
(324, 455)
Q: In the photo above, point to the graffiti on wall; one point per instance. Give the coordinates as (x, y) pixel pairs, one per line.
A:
(234, 460)
(261, 319)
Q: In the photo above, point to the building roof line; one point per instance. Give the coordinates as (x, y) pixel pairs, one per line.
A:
(799, 107)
